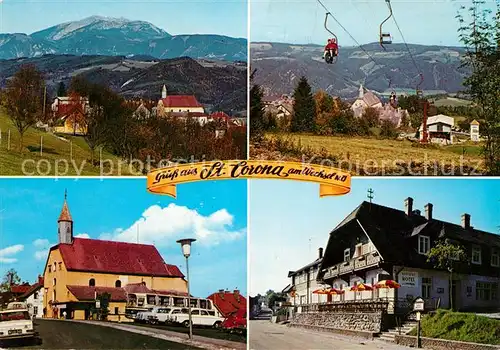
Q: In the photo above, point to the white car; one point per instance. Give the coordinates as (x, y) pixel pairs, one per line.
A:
(156, 315)
(16, 322)
(199, 317)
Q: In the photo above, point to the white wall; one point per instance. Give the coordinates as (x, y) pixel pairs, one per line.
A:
(35, 305)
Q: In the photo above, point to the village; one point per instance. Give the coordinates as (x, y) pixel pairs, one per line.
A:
(114, 284)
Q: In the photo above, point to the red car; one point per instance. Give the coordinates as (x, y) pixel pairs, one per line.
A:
(236, 322)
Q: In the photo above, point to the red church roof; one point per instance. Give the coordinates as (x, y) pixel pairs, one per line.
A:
(180, 101)
(228, 303)
(115, 257)
(141, 288)
(88, 293)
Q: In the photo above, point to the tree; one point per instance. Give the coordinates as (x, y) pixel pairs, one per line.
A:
(304, 109)
(24, 99)
(61, 90)
(445, 255)
(11, 277)
(103, 311)
(481, 37)
(256, 111)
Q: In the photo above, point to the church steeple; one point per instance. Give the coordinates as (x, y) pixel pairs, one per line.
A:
(164, 92)
(65, 223)
(361, 91)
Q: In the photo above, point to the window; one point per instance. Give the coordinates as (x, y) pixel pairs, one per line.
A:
(426, 287)
(424, 244)
(358, 251)
(204, 313)
(195, 312)
(176, 312)
(118, 284)
(495, 261)
(35, 310)
(50, 268)
(91, 282)
(211, 313)
(54, 266)
(476, 255)
(347, 254)
(55, 281)
(60, 266)
(486, 291)
(35, 295)
(116, 311)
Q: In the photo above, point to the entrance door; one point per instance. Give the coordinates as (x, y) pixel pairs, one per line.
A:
(455, 294)
(87, 314)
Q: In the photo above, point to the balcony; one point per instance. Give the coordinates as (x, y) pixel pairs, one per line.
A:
(355, 264)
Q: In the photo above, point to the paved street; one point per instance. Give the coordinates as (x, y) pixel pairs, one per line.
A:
(266, 335)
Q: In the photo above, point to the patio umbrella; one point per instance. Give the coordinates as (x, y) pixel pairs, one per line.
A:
(321, 291)
(387, 284)
(361, 287)
(333, 291)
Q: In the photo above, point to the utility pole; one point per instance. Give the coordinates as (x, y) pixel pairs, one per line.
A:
(370, 194)
(44, 102)
(424, 123)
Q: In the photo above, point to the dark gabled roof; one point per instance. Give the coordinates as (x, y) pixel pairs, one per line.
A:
(391, 231)
(316, 262)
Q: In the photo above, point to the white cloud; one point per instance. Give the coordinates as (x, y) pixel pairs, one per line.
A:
(41, 243)
(82, 235)
(41, 254)
(6, 253)
(164, 225)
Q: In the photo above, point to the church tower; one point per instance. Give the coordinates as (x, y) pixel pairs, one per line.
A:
(65, 224)
(164, 92)
(361, 92)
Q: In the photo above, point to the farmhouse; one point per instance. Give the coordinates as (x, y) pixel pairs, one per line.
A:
(34, 298)
(439, 129)
(70, 111)
(79, 270)
(474, 131)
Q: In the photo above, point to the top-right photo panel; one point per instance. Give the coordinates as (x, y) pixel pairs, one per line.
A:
(377, 87)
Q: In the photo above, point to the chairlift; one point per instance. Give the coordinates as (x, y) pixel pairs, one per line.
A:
(385, 38)
(329, 58)
(419, 91)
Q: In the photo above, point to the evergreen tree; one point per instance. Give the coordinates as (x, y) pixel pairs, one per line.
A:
(61, 90)
(304, 108)
(481, 36)
(256, 111)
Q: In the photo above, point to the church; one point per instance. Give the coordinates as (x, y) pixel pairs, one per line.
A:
(78, 270)
(178, 104)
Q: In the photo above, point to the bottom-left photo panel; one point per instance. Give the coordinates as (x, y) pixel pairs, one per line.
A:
(102, 263)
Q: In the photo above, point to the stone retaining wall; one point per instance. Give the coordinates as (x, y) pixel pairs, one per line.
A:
(348, 332)
(360, 322)
(442, 344)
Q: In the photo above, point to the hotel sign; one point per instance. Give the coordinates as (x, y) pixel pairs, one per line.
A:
(408, 279)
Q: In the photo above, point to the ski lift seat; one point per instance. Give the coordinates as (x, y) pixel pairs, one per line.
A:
(385, 38)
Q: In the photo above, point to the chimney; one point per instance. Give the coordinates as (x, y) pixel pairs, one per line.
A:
(320, 251)
(417, 212)
(428, 211)
(236, 292)
(466, 220)
(409, 206)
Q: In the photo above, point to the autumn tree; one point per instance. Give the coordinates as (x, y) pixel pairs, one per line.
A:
(446, 255)
(304, 109)
(481, 37)
(24, 99)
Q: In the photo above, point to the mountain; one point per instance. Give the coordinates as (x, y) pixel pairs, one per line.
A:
(280, 66)
(119, 37)
(219, 85)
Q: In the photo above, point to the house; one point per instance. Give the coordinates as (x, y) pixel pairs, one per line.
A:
(376, 243)
(17, 290)
(365, 100)
(70, 111)
(474, 131)
(178, 104)
(228, 303)
(439, 129)
(79, 270)
(34, 298)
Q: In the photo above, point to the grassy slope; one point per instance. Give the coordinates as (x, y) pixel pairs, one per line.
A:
(54, 149)
(363, 148)
(451, 102)
(69, 335)
(461, 326)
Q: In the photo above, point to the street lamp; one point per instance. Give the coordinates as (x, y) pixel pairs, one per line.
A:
(186, 250)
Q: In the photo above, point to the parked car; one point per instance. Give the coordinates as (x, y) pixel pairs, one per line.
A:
(154, 316)
(16, 323)
(199, 317)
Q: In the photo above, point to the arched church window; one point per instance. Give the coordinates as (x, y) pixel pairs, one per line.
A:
(118, 284)
(92, 282)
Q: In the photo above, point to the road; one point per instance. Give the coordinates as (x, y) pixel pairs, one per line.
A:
(266, 335)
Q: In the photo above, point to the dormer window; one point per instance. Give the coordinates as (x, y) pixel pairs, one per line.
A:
(495, 258)
(424, 244)
(476, 255)
(347, 254)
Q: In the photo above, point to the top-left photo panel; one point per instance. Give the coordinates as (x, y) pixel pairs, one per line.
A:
(121, 87)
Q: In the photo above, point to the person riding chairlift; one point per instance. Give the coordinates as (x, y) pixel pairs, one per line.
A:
(332, 48)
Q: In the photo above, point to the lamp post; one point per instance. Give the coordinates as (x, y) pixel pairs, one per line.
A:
(186, 250)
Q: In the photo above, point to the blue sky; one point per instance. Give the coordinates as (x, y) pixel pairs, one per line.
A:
(214, 212)
(301, 21)
(226, 17)
(289, 222)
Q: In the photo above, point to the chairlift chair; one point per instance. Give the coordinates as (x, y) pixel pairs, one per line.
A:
(330, 59)
(385, 38)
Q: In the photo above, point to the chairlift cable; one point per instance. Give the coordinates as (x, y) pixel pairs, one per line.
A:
(406, 44)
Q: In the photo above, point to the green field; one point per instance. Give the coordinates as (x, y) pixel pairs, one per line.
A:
(452, 102)
(61, 156)
(370, 156)
(461, 326)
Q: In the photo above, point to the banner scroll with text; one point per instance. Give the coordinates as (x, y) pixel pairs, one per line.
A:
(332, 181)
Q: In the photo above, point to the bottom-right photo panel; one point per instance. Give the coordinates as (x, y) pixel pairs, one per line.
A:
(395, 263)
